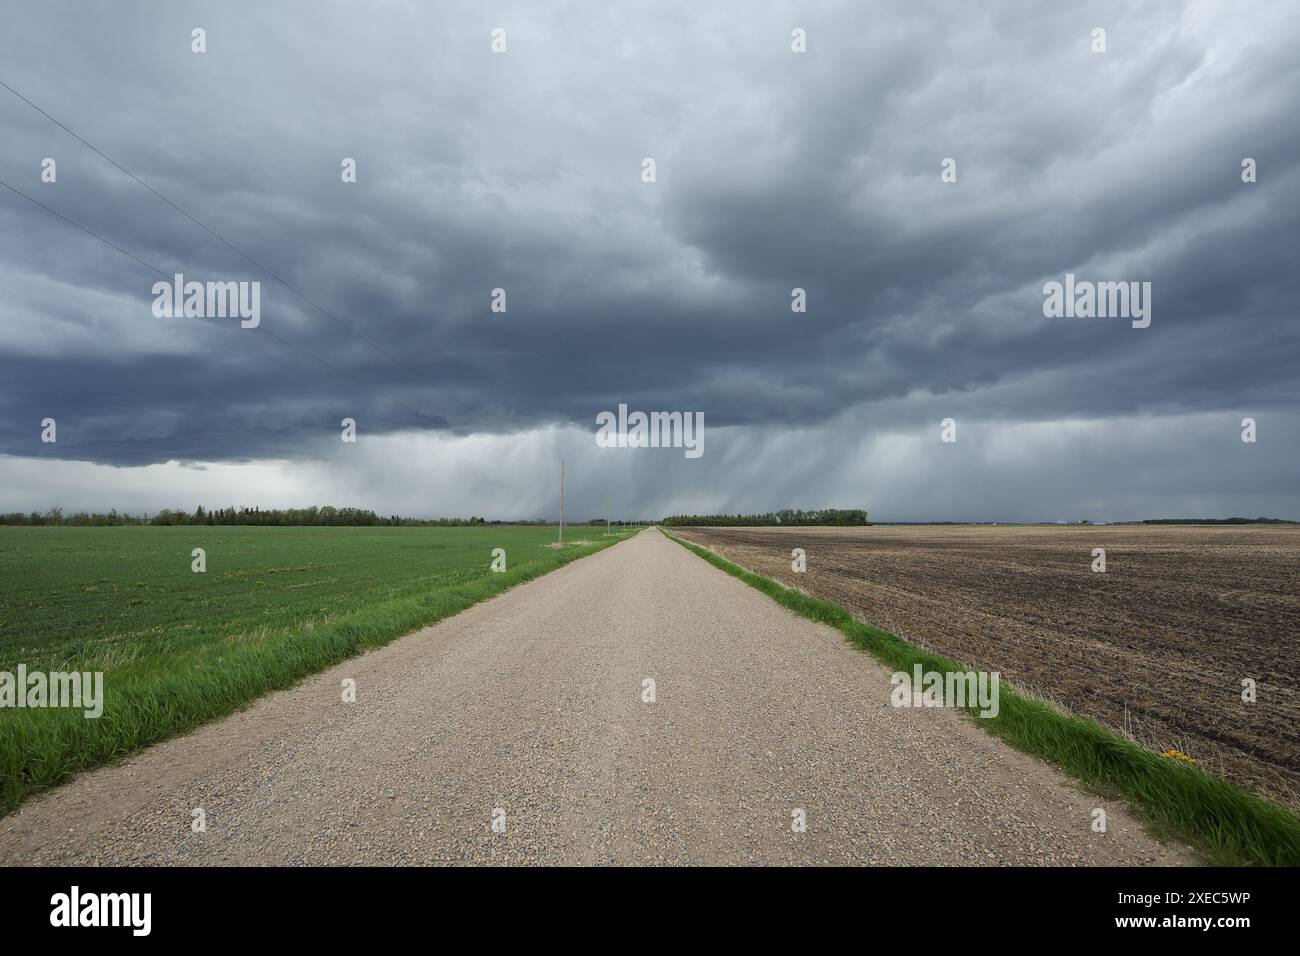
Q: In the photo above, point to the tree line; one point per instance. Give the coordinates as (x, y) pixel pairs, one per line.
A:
(328, 516)
(839, 517)
(269, 517)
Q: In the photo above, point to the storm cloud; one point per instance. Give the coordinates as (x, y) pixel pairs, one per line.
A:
(775, 170)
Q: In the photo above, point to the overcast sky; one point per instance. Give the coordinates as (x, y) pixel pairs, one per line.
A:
(774, 169)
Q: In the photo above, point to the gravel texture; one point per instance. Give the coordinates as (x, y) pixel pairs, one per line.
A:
(532, 703)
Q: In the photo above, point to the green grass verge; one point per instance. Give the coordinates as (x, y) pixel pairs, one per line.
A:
(1227, 825)
(178, 648)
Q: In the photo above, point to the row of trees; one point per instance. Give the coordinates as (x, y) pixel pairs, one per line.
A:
(271, 517)
(83, 518)
(278, 517)
(840, 517)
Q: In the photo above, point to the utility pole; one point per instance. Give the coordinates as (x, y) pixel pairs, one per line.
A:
(561, 501)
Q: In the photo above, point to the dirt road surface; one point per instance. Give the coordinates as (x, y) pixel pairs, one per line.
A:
(528, 709)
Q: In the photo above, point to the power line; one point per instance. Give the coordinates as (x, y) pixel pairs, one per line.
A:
(500, 452)
(303, 296)
(154, 268)
(313, 303)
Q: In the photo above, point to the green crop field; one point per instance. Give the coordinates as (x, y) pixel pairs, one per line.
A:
(178, 647)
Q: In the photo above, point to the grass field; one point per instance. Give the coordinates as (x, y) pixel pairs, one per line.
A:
(178, 647)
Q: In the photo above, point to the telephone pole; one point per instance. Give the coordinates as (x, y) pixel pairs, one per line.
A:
(561, 501)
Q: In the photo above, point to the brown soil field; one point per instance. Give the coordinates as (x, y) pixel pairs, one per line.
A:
(1156, 647)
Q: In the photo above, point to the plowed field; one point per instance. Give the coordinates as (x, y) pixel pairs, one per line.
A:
(1156, 647)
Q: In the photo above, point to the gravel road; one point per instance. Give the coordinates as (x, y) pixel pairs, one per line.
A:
(529, 709)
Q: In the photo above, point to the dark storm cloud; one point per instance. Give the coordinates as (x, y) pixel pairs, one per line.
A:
(522, 171)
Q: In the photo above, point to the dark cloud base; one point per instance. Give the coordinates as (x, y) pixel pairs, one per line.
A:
(775, 170)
